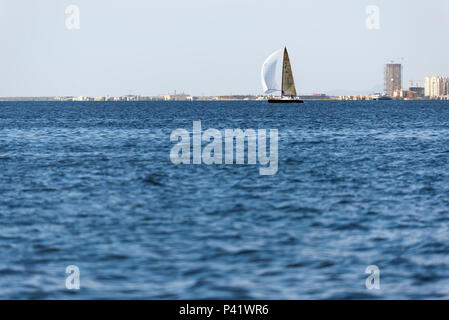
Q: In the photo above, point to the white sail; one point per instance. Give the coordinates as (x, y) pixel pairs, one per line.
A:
(271, 70)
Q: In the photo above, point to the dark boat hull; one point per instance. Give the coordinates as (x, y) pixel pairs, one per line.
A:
(285, 101)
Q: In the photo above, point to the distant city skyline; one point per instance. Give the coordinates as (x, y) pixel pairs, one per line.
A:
(204, 47)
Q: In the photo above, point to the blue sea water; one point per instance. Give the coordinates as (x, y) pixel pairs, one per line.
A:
(92, 185)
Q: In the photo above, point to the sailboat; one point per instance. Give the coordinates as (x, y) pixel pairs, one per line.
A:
(287, 90)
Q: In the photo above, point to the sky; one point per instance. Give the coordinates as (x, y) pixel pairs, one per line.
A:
(214, 47)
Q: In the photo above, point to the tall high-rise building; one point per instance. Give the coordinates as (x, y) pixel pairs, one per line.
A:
(436, 86)
(393, 78)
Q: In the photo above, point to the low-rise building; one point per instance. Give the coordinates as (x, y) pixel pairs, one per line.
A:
(419, 91)
(177, 97)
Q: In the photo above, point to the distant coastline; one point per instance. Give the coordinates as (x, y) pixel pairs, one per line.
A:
(183, 97)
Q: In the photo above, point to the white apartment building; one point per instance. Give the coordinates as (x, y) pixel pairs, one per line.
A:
(436, 86)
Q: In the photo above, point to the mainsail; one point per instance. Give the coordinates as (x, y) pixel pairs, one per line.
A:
(288, 84)
(277, 66)
(270, 72)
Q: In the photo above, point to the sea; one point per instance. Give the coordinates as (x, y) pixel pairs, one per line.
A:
(92, 207)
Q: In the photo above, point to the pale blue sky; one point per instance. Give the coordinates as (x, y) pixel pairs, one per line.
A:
(213, 46)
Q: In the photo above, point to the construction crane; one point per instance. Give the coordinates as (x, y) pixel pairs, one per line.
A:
(414, 81)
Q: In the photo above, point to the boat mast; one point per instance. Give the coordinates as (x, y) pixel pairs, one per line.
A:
(283, 70)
